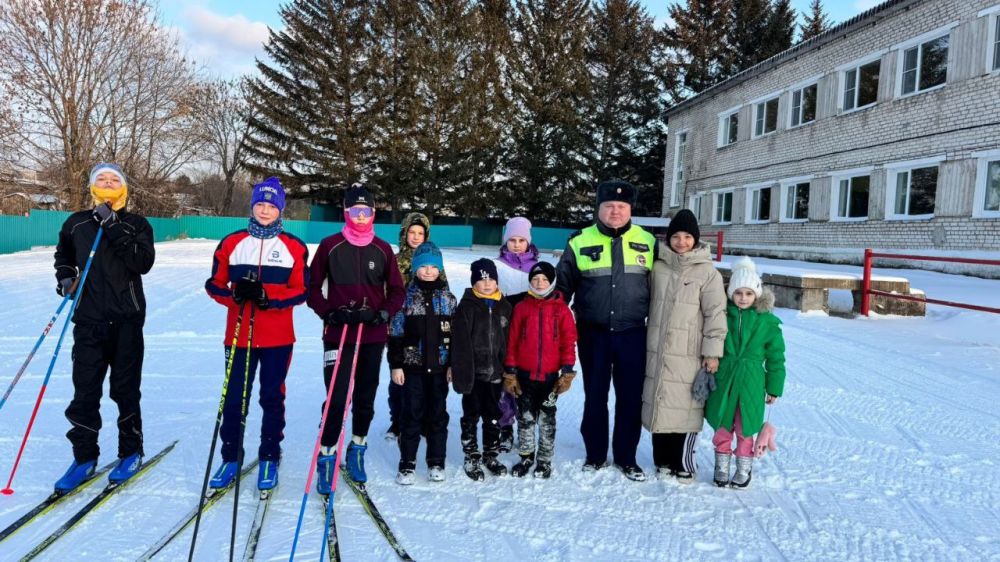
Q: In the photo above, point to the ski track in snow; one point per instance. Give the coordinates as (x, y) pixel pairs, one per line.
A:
(887, 440)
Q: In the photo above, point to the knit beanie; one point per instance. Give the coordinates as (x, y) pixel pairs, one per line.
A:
(269, 191)
(358, 194)
(483, 269)
(544, 268)
(616, 190)
(744, 276)
(427, 254)
(684, 221)
(116, 196)
(517, 226)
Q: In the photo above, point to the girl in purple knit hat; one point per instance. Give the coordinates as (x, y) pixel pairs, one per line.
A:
(517, 256)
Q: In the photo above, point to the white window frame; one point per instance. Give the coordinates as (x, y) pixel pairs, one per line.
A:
(979, 200)
(723, 121)
(835, 192)
(800, 89)
(775, 97)
(715, 205)
(856, 64)
(893, 170)
(918, 41)
(694, 204)
(992, 16)
(751, 189)
(675, 199)
(785, 184)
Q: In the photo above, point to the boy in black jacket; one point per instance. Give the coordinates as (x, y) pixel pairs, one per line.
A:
(478, 350)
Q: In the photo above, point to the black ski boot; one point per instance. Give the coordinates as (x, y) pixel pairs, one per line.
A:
(506, 439)
(521, 468)
(494, 465)
(543, 470)
(472, 469)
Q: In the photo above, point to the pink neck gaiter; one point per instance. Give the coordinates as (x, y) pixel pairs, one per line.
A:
(358, 234)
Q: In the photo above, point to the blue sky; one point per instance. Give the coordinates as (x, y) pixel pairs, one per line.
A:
(226, 35)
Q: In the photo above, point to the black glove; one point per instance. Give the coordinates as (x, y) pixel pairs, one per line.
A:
(344, 315)
(262, 301)
(373, 317)
(104, 215)
(247, 290)
(66, 286)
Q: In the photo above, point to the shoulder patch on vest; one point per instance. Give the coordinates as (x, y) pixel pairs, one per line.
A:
(592, 252)
(639, 246)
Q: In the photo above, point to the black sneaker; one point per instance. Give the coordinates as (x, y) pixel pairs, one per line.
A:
(591, 467)
(492, 464)
(521, 468)
(472, 469)
(543, 470)
(632, 472)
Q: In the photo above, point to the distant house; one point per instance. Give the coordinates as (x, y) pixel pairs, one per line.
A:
(883, 132)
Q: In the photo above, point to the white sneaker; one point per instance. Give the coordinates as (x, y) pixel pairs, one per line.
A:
(405, 478)
(435, 474)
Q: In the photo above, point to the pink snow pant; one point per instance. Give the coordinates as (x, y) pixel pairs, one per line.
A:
(723, 439)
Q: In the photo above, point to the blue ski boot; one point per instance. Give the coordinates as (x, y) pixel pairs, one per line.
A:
(126, 468)
(356, 462)
(325, 464)
(76, 474)
(267, 475)
(225, 475)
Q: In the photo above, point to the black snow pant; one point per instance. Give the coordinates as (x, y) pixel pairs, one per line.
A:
(675, 451)
(273, 362)
(96, 347)
(532, 412)
(482, 403)
(395, 403)
(365, 386)
(606, 357)
(425, 404)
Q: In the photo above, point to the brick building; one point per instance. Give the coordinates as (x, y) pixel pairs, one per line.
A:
(883, 132)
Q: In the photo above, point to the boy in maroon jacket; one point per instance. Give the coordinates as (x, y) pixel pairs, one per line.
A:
(354, 281)
(540, 356)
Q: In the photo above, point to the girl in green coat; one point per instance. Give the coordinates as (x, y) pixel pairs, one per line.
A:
(751, 373)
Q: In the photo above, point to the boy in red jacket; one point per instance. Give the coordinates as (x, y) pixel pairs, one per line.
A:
(540, 357)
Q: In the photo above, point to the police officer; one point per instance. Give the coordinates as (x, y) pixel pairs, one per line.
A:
(604, 272)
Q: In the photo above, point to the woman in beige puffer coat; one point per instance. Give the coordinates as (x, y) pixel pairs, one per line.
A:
(686, 331)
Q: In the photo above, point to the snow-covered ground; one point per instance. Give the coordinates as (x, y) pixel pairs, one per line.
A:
(888, 436)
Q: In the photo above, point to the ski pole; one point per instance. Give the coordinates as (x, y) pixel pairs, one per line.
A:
(45, 382)
(340, 440)
(24, 366)
(230, 356)
(243, 427)
(319, 439)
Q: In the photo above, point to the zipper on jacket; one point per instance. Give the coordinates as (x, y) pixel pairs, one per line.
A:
(492, 356)
(135, 301)
(541, 328)
(739, 330)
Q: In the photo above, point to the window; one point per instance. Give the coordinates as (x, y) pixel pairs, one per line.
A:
(694, 203)
(912, 193)
(765, 117)
(803, 106)
(729, 126)
(850, 197)
(680, 146)
(758, 205)
(861, 85)
(723, 208)
(987, 198)
(996, 42)
(796, 201)
(925, 66)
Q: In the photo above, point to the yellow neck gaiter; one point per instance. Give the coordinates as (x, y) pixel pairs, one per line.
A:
(494, 297)
(117, 197)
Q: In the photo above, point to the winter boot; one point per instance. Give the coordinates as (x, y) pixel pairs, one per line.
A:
(723, 463)
(405, 477)
(125, 469)
(524, 465)
(435, 473)
(325, 464)
(663, 473)
(683, 476)
(741, 478)
(392, 434)
(494, 465)
(592, 467)
(543, 470)
(76, 474)
(267, 475)
(506, 439)
(225, 475)
(472, 469)
(632, 472)
(356, 462)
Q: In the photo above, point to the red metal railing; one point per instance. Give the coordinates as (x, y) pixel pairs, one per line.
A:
(867, 291)
(719, 236)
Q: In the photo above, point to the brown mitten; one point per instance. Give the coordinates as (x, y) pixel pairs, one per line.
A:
(564, 382)
(511, 385)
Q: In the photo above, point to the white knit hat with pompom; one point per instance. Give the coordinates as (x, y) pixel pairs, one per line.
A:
(744, 277)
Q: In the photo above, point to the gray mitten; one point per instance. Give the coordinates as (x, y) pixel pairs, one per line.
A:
(704, 384)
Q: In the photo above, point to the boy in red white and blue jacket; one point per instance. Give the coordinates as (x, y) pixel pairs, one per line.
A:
(261, 271)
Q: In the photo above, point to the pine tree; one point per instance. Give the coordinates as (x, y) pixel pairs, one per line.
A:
(748, 34)
(698, 40)
(623, 112)
(550, 86)
(317, 103)
(780, 29)
(815, 22)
